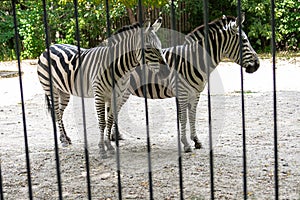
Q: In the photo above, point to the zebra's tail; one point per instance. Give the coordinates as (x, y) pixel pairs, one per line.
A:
(48, 103)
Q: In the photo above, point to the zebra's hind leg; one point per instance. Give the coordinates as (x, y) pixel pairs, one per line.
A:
(58, 116)
(192, 118)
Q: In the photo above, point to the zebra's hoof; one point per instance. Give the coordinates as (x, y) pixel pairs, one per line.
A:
(112, 151)
(113, 137)
(198, 145)
(103, 155)
(188, 149)
(66, 143)
(110, 148)
(69, 140)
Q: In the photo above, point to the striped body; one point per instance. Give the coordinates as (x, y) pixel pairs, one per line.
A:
(66, 71)
(187, 61)
(122, 54)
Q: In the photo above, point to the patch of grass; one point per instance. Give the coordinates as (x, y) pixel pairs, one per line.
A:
(280, 54)
(196, 198)
(245, 92)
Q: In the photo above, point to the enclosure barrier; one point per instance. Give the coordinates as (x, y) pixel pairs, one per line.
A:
(211, 154)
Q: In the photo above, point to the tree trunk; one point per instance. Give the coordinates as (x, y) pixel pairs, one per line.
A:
(131, 15)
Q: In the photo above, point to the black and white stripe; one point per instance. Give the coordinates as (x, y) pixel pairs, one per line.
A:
(123, 53)
(192, 77)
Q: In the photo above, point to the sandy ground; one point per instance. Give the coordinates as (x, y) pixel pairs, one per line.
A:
(226, 129)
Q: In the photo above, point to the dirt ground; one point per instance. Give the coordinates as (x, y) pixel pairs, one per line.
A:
(227, 142)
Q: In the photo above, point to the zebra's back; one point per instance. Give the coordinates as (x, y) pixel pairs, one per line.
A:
(65, 69)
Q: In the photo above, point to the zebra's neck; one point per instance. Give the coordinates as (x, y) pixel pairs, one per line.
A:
(220, 39)
(184, 57)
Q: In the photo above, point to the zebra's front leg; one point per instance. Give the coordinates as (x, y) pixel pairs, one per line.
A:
(111, 124)
(63, 103)
(100, 108)
(183, 117)
(192, 119)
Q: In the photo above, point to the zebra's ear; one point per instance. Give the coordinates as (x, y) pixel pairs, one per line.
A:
(146, 25)
(157, 24)
(242, 19)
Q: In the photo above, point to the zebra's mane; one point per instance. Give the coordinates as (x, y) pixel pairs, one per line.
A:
(114, 39)
(192, 36)
(126, 28)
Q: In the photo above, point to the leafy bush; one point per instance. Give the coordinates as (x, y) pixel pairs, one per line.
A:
(288, 24)
(6, 36)
(92, 22)
(31, 30)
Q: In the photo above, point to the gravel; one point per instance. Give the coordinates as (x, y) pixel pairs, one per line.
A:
(227, 132)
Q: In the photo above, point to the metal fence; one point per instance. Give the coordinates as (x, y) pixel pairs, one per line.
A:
(182, 24)
(120, 191)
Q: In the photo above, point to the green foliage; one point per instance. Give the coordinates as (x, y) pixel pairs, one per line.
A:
(258, 23)
(216, 10)
(6, 35)
(146, 3)
(31, 30)
(288, 24)
(92, 21)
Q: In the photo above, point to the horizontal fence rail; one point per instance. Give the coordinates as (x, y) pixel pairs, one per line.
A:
(175, 24)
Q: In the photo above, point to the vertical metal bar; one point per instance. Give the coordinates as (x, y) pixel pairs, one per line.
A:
(22, 100)
(173, 27)
(86, 152)
(274, 101)
(1, 184)
(114, 102)
(146, 102)
(47, 41)
(207, 64)
(243, 102)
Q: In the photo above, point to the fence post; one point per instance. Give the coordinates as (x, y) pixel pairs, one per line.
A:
(273, 43)
(22, 100)
(47, 41)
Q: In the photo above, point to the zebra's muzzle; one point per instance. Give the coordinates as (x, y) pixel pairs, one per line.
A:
(254, 67)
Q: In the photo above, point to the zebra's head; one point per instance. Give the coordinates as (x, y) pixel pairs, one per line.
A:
(154, 57)
(250, 59)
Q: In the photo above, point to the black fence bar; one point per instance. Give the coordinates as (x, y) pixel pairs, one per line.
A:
(86, 152)
(180, 170)
(115, 115)
(29, 182)
(173, 40)
(207, 65)
(276, 183)
(47, 41)
(1, 183)
(146, 103)
(243, 102)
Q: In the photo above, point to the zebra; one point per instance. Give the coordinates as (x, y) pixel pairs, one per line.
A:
(223, 40)
(125, 53)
